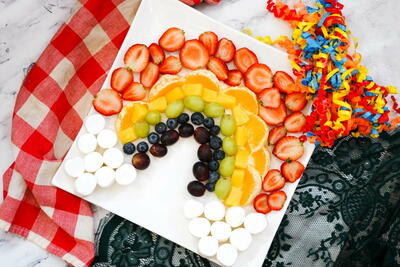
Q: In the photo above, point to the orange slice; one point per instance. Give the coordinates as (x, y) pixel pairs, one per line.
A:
(126, 118)
(261, 160)
(257, 132)
(165, 84)
(205, 78)
(245, 97)
(251, 186)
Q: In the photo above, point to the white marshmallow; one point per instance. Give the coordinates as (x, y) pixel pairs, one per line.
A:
(255, 222)
(235, 216)
(93, 161)
(125, 174)
(107, 138)
(241, 239)
(113, 157)
(105, 176)
(221, 231)
(193, 209)
(87, 143)
(74, 166)
(227, 254)
(85, 184)
(199, 227)
(95, 123)
(208, 246)
(214, 210)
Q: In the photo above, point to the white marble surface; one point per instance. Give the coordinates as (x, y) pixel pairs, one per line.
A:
(27, 26)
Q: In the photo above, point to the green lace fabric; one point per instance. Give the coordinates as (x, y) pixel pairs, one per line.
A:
(345, 212)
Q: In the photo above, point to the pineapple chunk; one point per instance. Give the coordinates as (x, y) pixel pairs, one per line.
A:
(175, 94)
(138, 113)
(226, 100)
(127, 135)
(234, 197)
(209, 95)
(240, 115)
(237, 178)
(241, 135)
(192, 89)
(242, 158)
(159, 104)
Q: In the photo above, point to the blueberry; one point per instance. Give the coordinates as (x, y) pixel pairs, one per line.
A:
(215, 130)
(210, 187)
(219, 155)
(153, 138)
(213, 165)
(215, 142)
(142, 147)
(214, 177)
(197, 118)
(183, 118)
(161, 128)
(129, 148)
(209, 122)
(172, 123)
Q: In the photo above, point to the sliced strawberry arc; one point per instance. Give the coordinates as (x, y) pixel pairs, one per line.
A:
(149, 76)
(235, 78)
(120, 79)
(276, 134)
(273, 181)
(258, 77)
(225, 50)
(273, 116)
(244, 59)
(276, 200)
(194, 55)
(260, 204)
(107, 102)
(270, 98)
(289, 148)
(157, 55)
(218, 67)
(210, 41)
(134, 92)
(172, 40)
(292, 170)
(284, 82)
(171, 65)
(296, 101)
(137, 57)
(295, 122)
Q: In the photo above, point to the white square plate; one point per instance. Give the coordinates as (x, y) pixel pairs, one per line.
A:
(155, 200)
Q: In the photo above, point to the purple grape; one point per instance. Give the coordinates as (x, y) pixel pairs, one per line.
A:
(195, 188)
(201, 135)
(201, 171)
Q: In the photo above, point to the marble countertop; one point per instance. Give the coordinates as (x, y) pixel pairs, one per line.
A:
(26, 27)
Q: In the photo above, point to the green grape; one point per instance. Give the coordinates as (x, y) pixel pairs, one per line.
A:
(222, 188)
(153, 117)
(229, 146)
(194, 103)
(228, 125)
(227, 166)
(142, 129)
(174, 109)
(214, 110)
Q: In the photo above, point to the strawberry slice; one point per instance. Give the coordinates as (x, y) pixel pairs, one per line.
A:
(235, 78)
(292, 170)
(137, 57)
(149, 76)
(194, 55)
(273, 181)
(172, 39)
(171, 65)
(284, 82)
(296, 101)
(289, 148)
(134, 92)
(120, 79)
(157, 55)
(107, 102)
(258, 77)
(191, 2)
(210, 41)
(270, 98)
(218, 67)
(260, 204)
(244, 58)
(276, 200)
(225, 50)
(295, 122)
(273, 116)
(276, 134)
